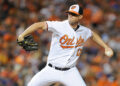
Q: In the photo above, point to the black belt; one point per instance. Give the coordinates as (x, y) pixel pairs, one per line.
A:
(57, 68)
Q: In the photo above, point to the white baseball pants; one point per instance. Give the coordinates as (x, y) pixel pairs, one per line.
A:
(49, 75)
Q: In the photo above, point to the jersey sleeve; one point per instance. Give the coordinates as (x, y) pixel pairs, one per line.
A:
(53, 26)
(88, 33)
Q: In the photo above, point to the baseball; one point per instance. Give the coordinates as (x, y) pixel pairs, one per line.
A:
(108, 53)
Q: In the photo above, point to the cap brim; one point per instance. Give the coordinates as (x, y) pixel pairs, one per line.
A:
(70, 11)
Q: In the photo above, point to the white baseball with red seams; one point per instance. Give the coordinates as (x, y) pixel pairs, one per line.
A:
(65, 50)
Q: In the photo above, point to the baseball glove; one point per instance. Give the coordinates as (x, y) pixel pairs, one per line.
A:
(28, 43)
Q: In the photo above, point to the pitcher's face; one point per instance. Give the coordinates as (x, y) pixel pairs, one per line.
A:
(73, 18)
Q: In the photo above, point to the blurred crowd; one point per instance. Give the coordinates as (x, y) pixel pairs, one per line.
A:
(17, 66)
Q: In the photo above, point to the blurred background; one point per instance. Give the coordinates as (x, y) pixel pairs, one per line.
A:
(17, 66)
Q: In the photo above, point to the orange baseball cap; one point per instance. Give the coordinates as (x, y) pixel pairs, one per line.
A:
(75, 9)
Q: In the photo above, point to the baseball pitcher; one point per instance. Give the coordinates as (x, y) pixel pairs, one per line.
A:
(68, 38)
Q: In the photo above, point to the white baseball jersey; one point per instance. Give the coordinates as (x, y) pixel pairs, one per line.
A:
(66, 43)
(65, 49)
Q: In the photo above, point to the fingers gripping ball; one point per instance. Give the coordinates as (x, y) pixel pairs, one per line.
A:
(28, 43)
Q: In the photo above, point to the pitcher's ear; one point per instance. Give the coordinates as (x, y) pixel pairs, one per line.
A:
(81, 16)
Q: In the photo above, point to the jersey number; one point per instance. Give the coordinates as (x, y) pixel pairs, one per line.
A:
(79, 52)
